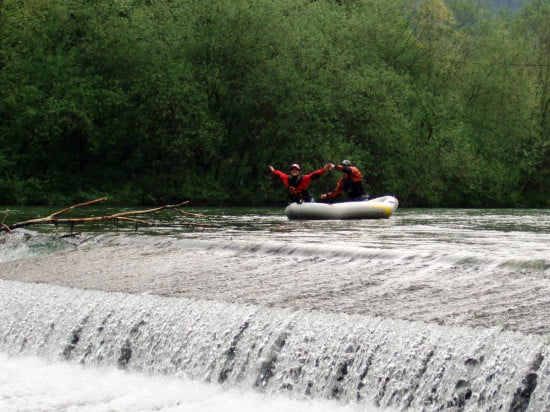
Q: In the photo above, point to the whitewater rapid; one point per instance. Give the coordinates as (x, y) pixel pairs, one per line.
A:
(320, 355)
(447, 287)
(419, 312)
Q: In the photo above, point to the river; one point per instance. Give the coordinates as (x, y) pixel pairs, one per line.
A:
(427, 310)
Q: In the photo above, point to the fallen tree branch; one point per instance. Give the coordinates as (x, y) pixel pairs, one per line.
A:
(91, 202)
(122, 216)
(181, 212)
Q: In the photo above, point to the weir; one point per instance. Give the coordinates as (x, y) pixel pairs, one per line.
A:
(302, 353)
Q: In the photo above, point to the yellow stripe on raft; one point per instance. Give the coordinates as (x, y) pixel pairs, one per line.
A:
(387, 211)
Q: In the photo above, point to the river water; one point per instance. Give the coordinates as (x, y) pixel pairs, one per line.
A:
(427, 310)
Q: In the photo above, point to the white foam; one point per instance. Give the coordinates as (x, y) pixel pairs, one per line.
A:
(34, 384)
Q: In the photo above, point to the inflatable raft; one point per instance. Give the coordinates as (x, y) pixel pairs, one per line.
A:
(378, 208)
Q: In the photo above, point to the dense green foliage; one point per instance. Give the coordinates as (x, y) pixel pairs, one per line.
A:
(148, 101)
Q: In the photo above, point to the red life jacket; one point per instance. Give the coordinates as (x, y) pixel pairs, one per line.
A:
(297, 188)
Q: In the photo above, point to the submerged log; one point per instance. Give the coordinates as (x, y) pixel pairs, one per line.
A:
(117, 217)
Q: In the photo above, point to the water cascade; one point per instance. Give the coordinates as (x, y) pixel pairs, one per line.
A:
(302, 353)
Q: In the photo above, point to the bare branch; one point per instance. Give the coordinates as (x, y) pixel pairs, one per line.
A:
(181, 212)
(91, 202)
(143, 212)
(122, 216)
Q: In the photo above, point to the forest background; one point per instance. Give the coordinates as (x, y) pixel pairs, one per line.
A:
(441, 103)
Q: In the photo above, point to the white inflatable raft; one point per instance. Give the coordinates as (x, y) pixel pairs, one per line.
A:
(378, 208)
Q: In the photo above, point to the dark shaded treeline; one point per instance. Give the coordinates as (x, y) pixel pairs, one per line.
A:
(154, 101)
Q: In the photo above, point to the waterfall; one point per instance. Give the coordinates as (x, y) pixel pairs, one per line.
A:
(316, 354)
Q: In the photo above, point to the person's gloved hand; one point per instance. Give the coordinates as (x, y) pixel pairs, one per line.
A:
(324, 196)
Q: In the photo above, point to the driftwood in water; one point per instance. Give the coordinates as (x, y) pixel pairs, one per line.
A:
(117, 217)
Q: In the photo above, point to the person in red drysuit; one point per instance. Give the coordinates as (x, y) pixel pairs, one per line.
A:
(351, 183)
(297, 184)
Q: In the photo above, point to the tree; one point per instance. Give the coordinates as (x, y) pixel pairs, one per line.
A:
(534, 28)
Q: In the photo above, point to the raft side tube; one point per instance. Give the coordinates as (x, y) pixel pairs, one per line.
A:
(378, 208)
